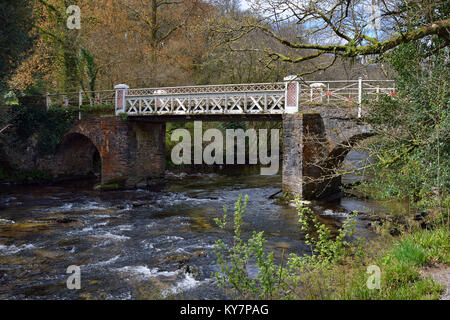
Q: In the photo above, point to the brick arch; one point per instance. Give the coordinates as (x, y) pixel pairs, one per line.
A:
(90, 129)
(75, 156)
(113, 139)
(132, 153)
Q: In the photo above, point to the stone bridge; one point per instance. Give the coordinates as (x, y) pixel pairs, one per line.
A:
(316, 138)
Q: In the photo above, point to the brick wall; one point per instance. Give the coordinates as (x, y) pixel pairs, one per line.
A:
(132, 153)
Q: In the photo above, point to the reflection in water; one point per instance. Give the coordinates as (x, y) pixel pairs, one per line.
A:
(139, 243)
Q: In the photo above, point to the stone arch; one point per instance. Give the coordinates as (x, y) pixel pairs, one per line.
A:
(76, 156)
(340, 151)
(324, 183)
(132, 152)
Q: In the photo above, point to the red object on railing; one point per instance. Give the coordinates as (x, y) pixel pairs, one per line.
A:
(98, 100)
(350, 99)
(393, 93)
(329, 93)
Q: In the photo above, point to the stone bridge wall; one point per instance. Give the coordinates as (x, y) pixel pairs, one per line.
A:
(316, 142)
(131, 153)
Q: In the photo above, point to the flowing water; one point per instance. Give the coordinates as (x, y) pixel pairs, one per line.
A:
(140, 243)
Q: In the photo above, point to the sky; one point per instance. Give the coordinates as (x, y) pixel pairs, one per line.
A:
(244, 5)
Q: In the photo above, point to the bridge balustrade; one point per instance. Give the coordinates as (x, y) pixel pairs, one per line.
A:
(255, 98)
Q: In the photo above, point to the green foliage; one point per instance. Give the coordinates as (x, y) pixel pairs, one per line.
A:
(88, 61)
(33, 175)
(124, 116)
(400, 262)
(412, 150)
(410, 252)
(326, 248)
(336, 267)
(422, 247)
(48, 126)
(10, 98)
(272, 281)
(235, 259)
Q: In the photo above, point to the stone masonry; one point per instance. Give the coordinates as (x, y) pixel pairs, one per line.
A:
(131, 153)
(315, 142)
(292, 154)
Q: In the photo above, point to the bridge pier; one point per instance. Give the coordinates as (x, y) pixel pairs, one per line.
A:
(292, 176)
(305, 148)
(134, 153)
(150, 156)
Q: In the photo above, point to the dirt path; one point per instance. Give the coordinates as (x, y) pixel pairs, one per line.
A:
(440, 274)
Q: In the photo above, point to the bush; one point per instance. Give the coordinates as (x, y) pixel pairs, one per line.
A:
(275, 281)
(49, 126)
(235, 259)
(336, 268)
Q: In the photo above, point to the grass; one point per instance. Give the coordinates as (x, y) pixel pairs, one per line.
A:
(409, 252)
(337, 268)
(400, 261)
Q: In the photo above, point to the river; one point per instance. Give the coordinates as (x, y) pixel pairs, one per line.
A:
(141, 244)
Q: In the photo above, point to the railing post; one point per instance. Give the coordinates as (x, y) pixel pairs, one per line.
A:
(359, 96)
(47, 100)
(121, 93)
(80, 103)
(328, 93)
(291, 94)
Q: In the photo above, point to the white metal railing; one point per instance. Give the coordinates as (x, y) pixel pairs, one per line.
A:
(233, 98)
(79, 98)
(209, 89)
(272, 98)
(345, 90)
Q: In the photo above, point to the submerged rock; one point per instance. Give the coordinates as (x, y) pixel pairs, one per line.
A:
(177, 258)
(137, 204)
(193, 271)
(200, 253)
(66, 220)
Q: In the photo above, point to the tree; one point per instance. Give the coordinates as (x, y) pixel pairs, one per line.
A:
(340, 28)
(14, 36)
(412, 147)
(53, 62)
(141, 43)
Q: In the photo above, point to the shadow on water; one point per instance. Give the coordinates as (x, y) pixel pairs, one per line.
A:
(139, 243)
